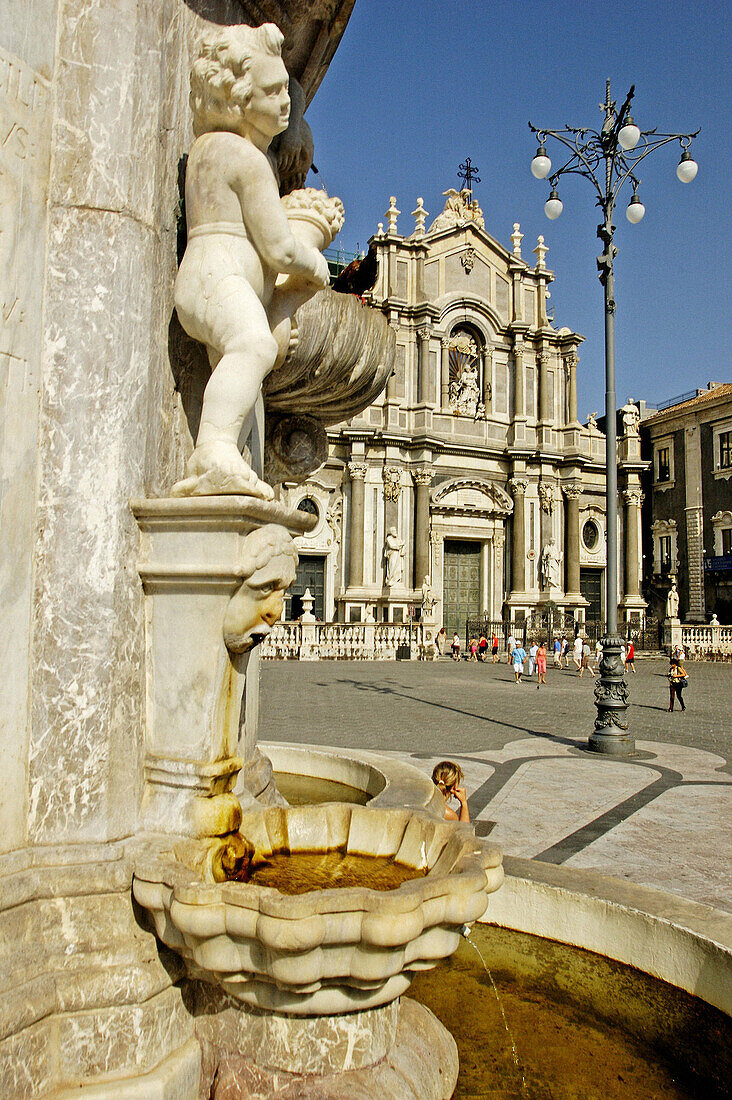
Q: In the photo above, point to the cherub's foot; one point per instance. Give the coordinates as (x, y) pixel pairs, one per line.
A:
(218, 468)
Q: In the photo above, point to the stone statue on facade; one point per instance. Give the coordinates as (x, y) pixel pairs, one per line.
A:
(631, 417)
(428, 600)
(551, 565)
(246, 269)
(393, 556)
(460, 207)
(672, 602)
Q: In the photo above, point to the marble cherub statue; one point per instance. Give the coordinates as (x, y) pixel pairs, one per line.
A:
(239, 242)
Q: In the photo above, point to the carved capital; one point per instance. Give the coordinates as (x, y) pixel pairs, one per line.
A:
(499, 538)
(422, 477)
(424, 333)
(571, 360)
(519, 346)
(633, 496)
(445, 342)
(543, 358)
(518, 485)
(435, 537)
(357, 471)
(572, 491)
(391, 476)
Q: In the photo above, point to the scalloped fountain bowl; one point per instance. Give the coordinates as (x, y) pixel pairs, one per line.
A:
(331, 950)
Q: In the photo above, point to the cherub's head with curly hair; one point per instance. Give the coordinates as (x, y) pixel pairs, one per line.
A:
(222, 80)
(268, 566)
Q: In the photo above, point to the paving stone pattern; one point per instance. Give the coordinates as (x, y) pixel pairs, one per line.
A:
(662, 819)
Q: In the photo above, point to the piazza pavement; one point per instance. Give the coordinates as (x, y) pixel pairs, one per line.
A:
(661, 819)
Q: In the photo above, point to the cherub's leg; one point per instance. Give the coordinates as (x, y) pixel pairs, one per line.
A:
(246, 353)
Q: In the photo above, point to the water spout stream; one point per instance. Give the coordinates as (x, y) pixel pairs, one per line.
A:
(466, 934)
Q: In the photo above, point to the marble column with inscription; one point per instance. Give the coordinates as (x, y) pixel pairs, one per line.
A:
(357, 472)
(518, 487)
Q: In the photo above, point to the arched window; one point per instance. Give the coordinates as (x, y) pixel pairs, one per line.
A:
(467, 368)
(307, 504)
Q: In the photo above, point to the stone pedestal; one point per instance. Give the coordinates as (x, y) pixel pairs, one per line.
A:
(194, 560)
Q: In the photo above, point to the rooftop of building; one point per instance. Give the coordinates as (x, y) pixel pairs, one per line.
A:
(693, 399)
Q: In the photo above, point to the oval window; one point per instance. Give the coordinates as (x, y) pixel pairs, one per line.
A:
(307, 504)
(590, 534)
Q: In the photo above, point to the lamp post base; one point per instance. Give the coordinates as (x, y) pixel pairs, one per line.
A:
(610, 735)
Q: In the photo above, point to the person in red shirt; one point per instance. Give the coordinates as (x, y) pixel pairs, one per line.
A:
(630, 658)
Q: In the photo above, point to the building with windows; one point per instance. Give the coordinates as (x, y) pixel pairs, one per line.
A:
(688, 517)
(472, 468)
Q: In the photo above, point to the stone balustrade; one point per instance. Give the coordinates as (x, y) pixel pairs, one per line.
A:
(344, 641)
(711, 642)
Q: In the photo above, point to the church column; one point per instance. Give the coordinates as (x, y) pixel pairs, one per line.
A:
(497, 586)
(633, 499)
(423, 365)
(445, 373)
(545, 409)
(357, 472)
(571, 537)
(485, 577)
(422, 482)
(570, 362)
(488, 378)
(518, 486)
(519, 375)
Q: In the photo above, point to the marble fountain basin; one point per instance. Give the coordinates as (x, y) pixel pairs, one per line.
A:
(329, 950)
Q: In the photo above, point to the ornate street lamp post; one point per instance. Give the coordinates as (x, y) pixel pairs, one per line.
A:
(608, 159)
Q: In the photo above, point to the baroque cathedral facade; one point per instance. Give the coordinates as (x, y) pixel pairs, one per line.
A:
(471, 469)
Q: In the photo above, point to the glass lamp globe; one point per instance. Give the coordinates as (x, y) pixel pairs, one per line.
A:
(687, 168)
(629, 135)
(541, 166)
(635, 210)
(553, 206)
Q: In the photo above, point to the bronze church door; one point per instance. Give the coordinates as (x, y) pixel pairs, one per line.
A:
(461, 585)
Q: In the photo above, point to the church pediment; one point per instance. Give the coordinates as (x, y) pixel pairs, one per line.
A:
(470, 496)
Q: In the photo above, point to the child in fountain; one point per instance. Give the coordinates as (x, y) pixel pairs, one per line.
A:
(448, 778)
(239, 241)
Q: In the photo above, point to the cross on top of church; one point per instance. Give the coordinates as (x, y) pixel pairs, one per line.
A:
(468, 173)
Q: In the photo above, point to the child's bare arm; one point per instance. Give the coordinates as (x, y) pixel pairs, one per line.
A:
(266, 221)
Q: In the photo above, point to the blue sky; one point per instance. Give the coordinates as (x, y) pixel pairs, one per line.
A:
(414, 88)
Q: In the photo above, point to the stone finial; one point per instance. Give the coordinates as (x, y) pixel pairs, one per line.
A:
(380, 229)
(420, 215)
(516, 239)
(540, 252)
(391, 216)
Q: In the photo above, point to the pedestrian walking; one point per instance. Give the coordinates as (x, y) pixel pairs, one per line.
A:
(630, 658)
(541, 665)
(565, 652)
(518, 657)
(533, 650)
(586, 662)
(557, 652)
(511, 644)
(455, 646)
(677, 680)
(482, 647)
(494, 648)
(577, 652)
(598, 651)
(473, 647)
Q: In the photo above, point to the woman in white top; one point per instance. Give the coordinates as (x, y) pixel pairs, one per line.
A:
(577, 652)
